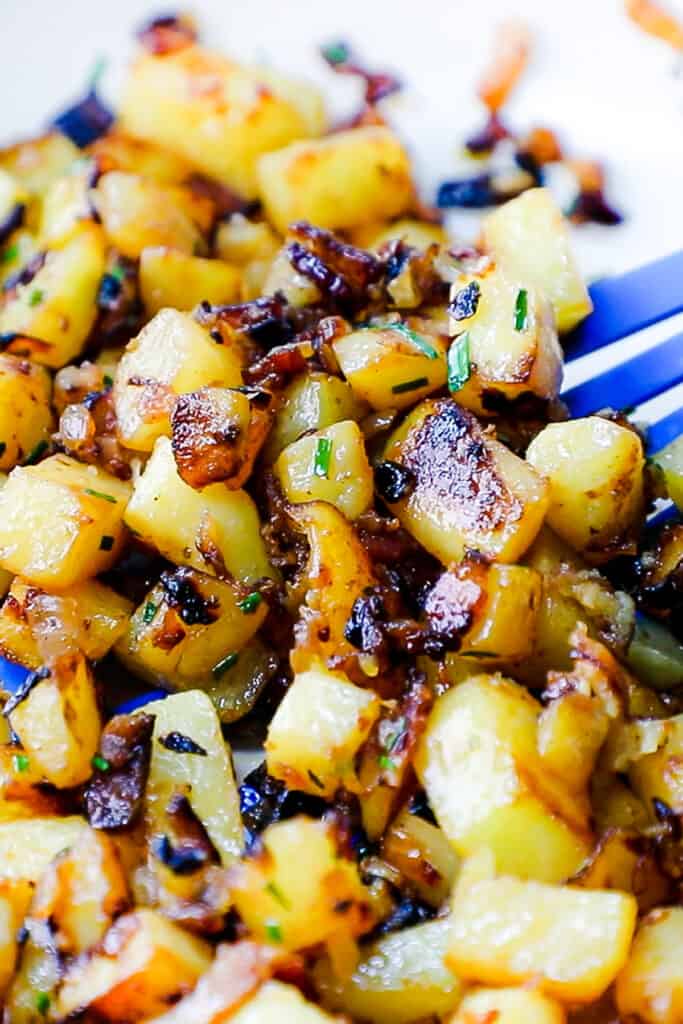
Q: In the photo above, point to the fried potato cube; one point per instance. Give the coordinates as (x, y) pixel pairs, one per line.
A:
(571, 942)
(195, 528)
(54, 518)
(297, 890)
(59, 304)
(391, 367)
(312, 401)
(9, 947)
(418, 233)
(208, 777)
(94, 615)
(595, 471)
(659, 775)
(489, 787)
(317, 730)
(509, 1005)
(509, 339)
(117, 151)
(26, 418)
(571, 730)
(223, 129)
(530, 240)
(36, 162)
(26, 852)
(145, 962)
(401, 978)
(65, 205)
(329, 465)
(470, 491)
(670, 460)
(340, 181)
(58, 723)
(650, 986)
(172, 355)
(275, 1003)
(170, 277)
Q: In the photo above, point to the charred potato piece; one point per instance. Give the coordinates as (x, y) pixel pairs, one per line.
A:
(650, 986)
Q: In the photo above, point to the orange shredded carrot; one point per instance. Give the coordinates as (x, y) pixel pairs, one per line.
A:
(589, 175)
(510, 57)
(656, 21)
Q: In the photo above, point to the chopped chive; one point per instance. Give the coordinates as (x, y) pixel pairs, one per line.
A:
(410, 385)
(149, 611)
(100, 494)
(36, 297)
(21, 763)
(250, 603)
(42, 1002)
(9, 254)
(521, 310)
(479, 654)
(278, 895)
(222, 666)
(386, 762)
(321, 464)
(273, 931)
(100, 763)
(411, 336)
(106, 543)
(35, 453)
(118, 272)
(459, 362)
(3, 448)
(108, 381)
(315, 780)
(335, 53)
(395, 737)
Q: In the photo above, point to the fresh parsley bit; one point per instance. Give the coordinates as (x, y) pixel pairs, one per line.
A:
(35, 453)
(522, 310)
(118, 272)
(411, 336)
(21, 763)
(459, 362)
(335, 53)
(410, 385)
(386, 763)
(42, 1002)
(221, 667)
(148, 612)
(9, 254)
(100, 763)
(465, 302)
(273, 931)
(106, 543)
(250, 603)
(323, 452)
(100, 494)
(36, 297)
(278, 895)
(108, 381)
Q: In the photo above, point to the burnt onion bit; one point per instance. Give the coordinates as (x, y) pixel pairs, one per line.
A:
(265, 321)
(409, 911)
(591, 206)
(179, 743)
(484, 141)
(393, 481)
(465, 302)
(471, 193)
(363, 629)
(343, 273)
(265, 800)
(185, 846)
(167, 33)
(13, 220)
(113, 796)
(378, 84)
(87, 120)
(182, 593)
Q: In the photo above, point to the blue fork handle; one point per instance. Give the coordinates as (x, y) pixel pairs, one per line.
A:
(628, 303)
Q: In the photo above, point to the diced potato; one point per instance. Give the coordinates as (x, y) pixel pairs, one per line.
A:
(120, 152)
(329, 465)
(340, 181)
(530, 239)
(26, 852)
(275, 1003)
(659, 775)
(241, 241)
(488, 786)
(571, 731)
(58, 723)
(39, 969)
(423, 855)
(94, 614)
(169, 277)
(507, 1006)
(297, 891)
(25, 415)
(595, 471)
(221, 129)
(650, 987)
(391, 367)
(145, 962)
(195, 528)
(470, 490)
(54, 518)
(161, 646)
(570, 942)
(208, 779)
(65, 205)
(58, 306)
(8, 942)
(37, 162)
(418, 233)
(312, 401)
(509, 340)
(137, 213)
(171, 356)
(670, 459)
(401, 978)
(317, 730)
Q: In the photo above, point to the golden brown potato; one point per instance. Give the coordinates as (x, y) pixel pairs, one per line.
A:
(312, 401)
(117, 151)
(25, 415)
(510, 1006)
(36, 162)
(275, 1002)
(650, 986)
(169, 277)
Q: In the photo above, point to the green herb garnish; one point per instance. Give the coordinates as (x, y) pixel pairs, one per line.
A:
(521, 309)
(410, 385)
(42, 1002)
(394, 738)
(100, 494)
(21, 763)
(106, 543)
(250, 603)
(108, 381)
(273, 931)
(335, 53)
(222, 666)
(117, 272)
(149, 611)
(36, 297)
(35, 453)
(386, 763)
(9, 254)
(323, 452)
(411, 336)
(100, 763)
(278, 895)
(459, 367)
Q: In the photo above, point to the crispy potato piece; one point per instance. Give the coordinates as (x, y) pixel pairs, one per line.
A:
(54, 518)
(571, 731)
(275, 1003)
(595, 471)
(170, 277)
(312, 401)
(26, 853)
(650, 986)
(36, 162)
(25, 415)
(509, 1005)
(117, 151)
(340, 181)
(470, 491)
(659, 775)
(418, 233)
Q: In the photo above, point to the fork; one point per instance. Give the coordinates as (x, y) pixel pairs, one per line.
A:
(623, 306)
